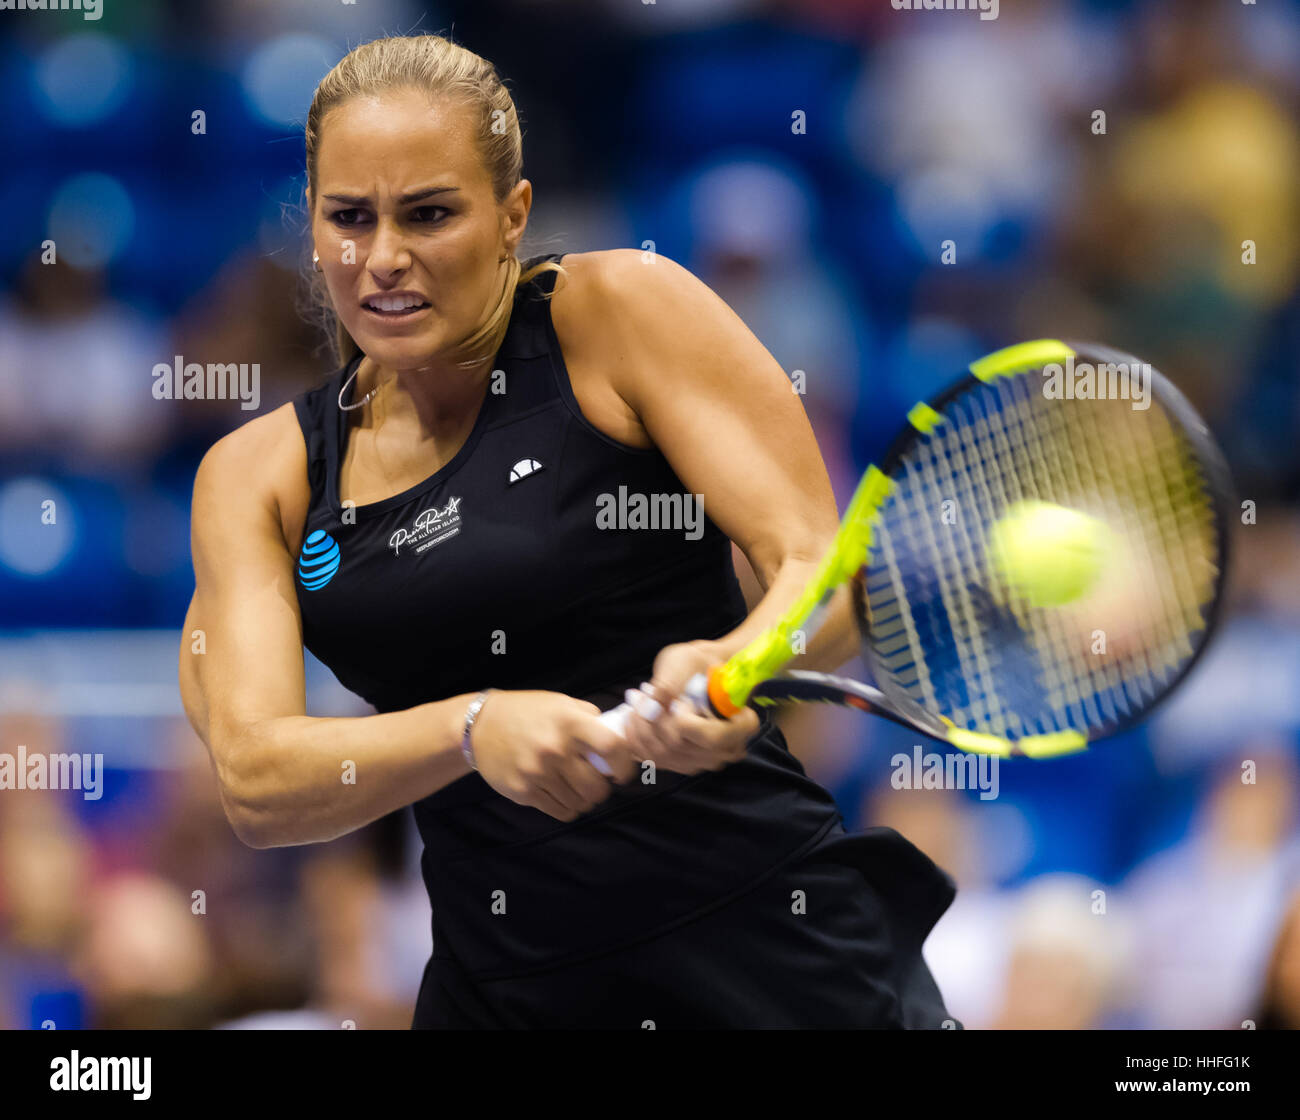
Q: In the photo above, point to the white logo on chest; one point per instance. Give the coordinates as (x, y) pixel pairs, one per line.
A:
(523, 469)
(431, 527)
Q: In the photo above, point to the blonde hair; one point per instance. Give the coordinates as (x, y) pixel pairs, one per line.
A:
(438, 67)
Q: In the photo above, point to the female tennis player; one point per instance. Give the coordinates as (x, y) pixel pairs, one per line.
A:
(484, 524)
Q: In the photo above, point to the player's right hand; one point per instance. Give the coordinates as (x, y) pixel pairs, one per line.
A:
(531, 747)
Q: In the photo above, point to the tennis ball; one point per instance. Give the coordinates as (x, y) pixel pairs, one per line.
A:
(1049, 554)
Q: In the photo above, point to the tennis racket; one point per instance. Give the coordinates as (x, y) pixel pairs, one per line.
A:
(959, 648)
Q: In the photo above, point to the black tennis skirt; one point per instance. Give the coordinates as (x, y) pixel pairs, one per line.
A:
(830, 940)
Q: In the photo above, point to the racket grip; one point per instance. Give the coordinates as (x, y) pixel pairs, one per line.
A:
(696, 694)
(600, 764)
(616, 720)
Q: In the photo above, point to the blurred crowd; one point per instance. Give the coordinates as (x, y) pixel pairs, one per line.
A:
(1118, 171)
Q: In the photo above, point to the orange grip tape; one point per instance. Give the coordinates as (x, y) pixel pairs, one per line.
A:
(718, 695)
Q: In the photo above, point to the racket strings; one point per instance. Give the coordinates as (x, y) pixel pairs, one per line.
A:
(1178, 539)
(1108, 489)
(1167, 520)
(975, 663)
(1127, 486)
(969, 476)
(1010, 456)
(905, 660)
(896, 631)
(1077, 684)
(1019, 461)
(953, 634)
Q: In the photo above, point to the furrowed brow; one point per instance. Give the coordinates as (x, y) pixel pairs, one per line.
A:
(403, 200)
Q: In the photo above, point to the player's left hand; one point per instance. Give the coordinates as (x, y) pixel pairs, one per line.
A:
(666, 729)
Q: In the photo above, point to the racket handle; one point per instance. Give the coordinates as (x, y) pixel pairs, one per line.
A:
(616, 720)
(696, 693)
(600, 764)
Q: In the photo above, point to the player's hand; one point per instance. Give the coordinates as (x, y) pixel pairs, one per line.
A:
(674, 736)
(532, 747)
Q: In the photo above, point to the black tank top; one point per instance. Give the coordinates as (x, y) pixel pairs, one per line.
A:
(531, 561)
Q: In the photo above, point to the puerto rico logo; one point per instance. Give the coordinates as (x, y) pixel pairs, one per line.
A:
(431, 527)
(318, 561)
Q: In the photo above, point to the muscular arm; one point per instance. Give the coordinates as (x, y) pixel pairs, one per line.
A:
(281, 773)
(694, 381)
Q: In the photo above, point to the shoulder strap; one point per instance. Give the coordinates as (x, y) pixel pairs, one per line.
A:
(525, 354)
(527, 336)
(318, 416)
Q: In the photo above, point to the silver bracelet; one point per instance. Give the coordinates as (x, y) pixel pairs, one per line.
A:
(471, 715)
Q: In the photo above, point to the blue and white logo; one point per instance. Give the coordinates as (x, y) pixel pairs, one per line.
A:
(319, 560)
